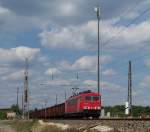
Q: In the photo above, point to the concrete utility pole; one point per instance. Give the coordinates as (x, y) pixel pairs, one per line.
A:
(130, 88)
(97, 9)
(26, 92)
(45, 108)
(17, 104)
(56, 99)
(77, 75)
(22, 105)
(52, 76)
(17, 96)
(65, 95)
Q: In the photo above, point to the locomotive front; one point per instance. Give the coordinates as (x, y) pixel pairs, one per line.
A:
(85, 104)
(91, 104)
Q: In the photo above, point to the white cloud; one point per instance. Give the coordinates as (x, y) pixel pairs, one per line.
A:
(4, 69)
(60, 82)
(78, 37)
(18, 75)
(90, 62)
(145, 83)
(123, 36)
(18, 53)
(67, 9)
(25, 52)
(11, 61)
(109, 72)
(85, 63)
(132, 15)
(104, 85)
(111, 86)
(90, 83)
(85, 36)
(3, 10)
(53, 71)
(14, 76)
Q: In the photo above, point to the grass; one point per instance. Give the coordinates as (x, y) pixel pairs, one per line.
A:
(22, 126)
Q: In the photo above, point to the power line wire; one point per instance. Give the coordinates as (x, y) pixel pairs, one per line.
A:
(133, 21)
(127, 11)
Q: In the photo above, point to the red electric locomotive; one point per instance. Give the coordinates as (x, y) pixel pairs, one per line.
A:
(86, 104)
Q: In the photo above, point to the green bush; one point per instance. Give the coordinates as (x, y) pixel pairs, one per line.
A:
(2, 116)
(119, 110)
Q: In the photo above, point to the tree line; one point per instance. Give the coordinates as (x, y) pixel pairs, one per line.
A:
(119, 110)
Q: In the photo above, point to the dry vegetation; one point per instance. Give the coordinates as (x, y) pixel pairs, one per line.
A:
(34, 126)
(55, 129)
(21, 126)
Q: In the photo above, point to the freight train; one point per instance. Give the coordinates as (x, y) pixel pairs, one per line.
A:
(83, 104)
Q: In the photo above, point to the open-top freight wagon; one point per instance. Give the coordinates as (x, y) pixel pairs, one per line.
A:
(84, 104)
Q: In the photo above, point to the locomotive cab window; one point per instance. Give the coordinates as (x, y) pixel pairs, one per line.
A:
(88, 98)
(91, 98)
(95, 98)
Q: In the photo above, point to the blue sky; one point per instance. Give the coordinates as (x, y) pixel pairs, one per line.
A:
(60, 37)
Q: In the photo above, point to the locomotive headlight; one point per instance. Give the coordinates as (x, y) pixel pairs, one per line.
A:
(98, 108)
(85, 107)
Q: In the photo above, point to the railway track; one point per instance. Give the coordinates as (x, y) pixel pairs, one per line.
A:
(103, 119)
(121, 124)
(126, 119)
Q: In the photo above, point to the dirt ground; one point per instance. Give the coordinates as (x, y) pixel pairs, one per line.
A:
(5, 128)
(121, 126)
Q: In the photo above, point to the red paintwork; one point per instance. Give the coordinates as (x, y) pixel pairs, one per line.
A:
(82, 104)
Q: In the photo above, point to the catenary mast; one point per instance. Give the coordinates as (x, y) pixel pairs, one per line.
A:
(26, 92)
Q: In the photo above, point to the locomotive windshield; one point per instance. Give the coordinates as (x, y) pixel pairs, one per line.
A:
(92, 98)
(89, 98)
(95, 98)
